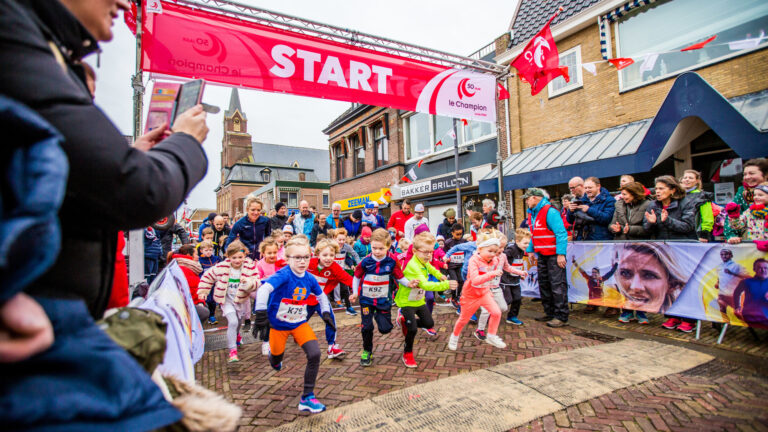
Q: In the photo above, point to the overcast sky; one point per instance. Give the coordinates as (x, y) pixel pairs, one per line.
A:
(454, 26)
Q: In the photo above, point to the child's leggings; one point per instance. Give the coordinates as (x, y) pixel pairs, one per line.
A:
(233, 328)
(498, 296)
(470, 304)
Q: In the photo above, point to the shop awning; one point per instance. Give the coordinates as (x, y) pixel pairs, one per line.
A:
(691, 107)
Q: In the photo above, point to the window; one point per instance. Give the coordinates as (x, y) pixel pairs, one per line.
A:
(290, 199)
(302, 176)
(265, 176)
(423, 132)
(326, 200)
(572, 59)
(358, 153)
(668, 26)
(380, 146)
(339, 151)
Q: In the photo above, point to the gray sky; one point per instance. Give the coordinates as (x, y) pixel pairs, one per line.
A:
(454, 26)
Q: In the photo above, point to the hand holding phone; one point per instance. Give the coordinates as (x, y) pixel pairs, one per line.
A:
(192, 122)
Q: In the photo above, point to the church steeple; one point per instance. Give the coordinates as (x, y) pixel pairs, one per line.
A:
(236, 142)
(234, 105)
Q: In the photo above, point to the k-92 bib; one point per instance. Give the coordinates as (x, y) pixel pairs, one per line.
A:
(291, 311)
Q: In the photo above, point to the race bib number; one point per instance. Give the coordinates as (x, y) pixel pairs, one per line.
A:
(291, 313)
(375, 286)
(417, 294)
(457, 258)
(232, 288)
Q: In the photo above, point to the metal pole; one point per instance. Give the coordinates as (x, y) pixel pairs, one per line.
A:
(136, 237)
(459, 213)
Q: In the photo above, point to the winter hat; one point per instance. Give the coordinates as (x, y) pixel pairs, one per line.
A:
(357, 214)
(211, 216)
(279, 205)
(369, 204)
(288, 228)
(366, 232)
(439, 237)
(420, 229)
(450, 213)
(419, 208)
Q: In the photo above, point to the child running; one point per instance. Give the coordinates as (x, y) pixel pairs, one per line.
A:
(412, 301)
(511, 282)
(232, 281)
(484, 273)
(455, 261)
(347, 258)
(267, 266)
(207, 259)
(328, 274)
(374, 272)
(282, 305)
(496, 289)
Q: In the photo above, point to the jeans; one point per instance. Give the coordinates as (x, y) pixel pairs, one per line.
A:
(553, 287)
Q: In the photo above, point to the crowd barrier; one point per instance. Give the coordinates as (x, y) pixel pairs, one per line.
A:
(714, 282)
(185, 341)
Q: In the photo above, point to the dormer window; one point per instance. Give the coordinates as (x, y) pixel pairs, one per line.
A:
(265, 176)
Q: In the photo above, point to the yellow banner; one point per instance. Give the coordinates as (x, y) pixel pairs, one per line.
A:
(382, 197)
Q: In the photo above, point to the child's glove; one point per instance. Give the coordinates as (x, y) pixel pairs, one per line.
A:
(328, 320)
(260, 321)
(260, 333)
(733, 209)
(762, 245)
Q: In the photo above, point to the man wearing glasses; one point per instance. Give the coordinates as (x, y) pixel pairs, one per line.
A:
(334, 219)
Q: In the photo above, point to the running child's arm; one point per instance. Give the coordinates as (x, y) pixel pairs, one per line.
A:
(206, 283)
(359, 273)
(397, 272)
(509, 269)
(435, 272)
(416, 272)
(262, 296)
(474, 276)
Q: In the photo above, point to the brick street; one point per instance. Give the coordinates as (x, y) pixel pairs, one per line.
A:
(718, 395)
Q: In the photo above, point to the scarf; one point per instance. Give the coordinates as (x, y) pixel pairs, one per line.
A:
(748, 194)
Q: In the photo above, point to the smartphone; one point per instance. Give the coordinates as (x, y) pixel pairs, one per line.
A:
(190, 94)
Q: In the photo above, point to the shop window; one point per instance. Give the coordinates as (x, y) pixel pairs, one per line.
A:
(339, 152)
(380, 146)
(571, 59)
(665, 27)
(423, 132)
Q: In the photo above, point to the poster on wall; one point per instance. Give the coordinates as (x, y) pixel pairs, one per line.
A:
(724, 193)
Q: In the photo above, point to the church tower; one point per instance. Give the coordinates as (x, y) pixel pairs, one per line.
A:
(236, 143)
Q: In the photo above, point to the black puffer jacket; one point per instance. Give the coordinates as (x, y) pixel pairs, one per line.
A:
(680, 223)
(111, 185)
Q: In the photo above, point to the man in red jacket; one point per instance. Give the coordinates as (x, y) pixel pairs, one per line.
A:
(399, 218)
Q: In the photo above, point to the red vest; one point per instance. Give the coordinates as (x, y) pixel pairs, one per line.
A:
(543, 239)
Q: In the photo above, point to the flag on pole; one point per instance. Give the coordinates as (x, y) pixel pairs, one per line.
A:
(439, 143)
(649, 61)
(452, 134)
(420, 162)
(699, 45)
(464, 122)
(621, 62)
(129, 17)
(590, 67)
(539, 63)
(748, 43)
(503, 93)
(410, 176)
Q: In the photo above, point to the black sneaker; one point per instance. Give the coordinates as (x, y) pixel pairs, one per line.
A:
(544, 318)
(246, 325)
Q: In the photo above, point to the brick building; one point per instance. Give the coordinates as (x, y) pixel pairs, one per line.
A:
(247, 167)
(647, 119)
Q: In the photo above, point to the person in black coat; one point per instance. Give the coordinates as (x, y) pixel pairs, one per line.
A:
(320, 227)
(672, 215)
(166, 239)
(444, 229)
(111, 186)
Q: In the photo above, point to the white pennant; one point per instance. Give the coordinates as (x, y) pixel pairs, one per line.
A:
(747, 43)
(452, 134)
(649, 62)
(590, 67)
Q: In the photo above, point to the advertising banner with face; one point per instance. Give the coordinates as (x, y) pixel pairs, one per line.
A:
(194, 43)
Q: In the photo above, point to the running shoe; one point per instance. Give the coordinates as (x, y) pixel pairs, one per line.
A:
(514, 321)
(246, 325)
(408, 360)
(431, 331)
(480, 334)
(626, 316)
(311, 404)
(401, 323)
(233, 356)
(455, 303)
(239, 340)
(495, 341)
(265, 348)
(276, 367)
(473, 319)
(339, 304)
(212, 320)
(641, 318)
(351, 311)
(334, 351)
(366, 359)
(686, 327)
(671, 323)
(453, 342)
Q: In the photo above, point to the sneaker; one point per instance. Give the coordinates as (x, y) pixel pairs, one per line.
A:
(473, 319)
(431, 331)
(212, 320)
(480, 334)
(590, 309)
(626, 316)
(671, 323)
(401, 323)
(239, 340)
(408, 360)
(610, 312)
(458, 310)
(455, 303)
(556, 323)
(686, 327)
(351, 311)
(246, 325)
(311, 404)
(276, 367)
(233, 356)
(334, 351)
(339, 304)
(453, 342)
(641, 318)
(265, 348)
(495, 341)
(514, 321)
(366, 359)
(544, 318)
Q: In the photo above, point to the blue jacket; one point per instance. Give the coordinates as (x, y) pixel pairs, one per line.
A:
(385, 267)
(353, 228)
(152, 247)
(251, 234)
(555, 224)
(206, 224)
(330, 222)
(601, 211)
(468, 248)
(362, 250)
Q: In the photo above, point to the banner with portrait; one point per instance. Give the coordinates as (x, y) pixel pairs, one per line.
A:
(705, 281)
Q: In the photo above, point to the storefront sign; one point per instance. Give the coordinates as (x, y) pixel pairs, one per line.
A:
(195, 43)
(382, 197)
(435, 185)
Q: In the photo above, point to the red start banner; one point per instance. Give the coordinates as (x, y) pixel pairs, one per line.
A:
(193, 43)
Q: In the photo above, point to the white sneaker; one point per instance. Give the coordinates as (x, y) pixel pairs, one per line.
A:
(265, 348)
(495, 341)
(453, 342)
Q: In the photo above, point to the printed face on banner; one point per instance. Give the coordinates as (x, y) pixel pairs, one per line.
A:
(199, 44)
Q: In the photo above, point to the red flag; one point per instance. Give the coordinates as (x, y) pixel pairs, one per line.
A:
(699, 45)
(405, 179)
(503, 93)
(130, 18)
(539, 63)
(464, 121)
(420, 162)
(439, 143)
(621, 62)
(566, 76)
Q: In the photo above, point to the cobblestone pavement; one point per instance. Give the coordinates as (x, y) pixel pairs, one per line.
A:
(716, 396)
